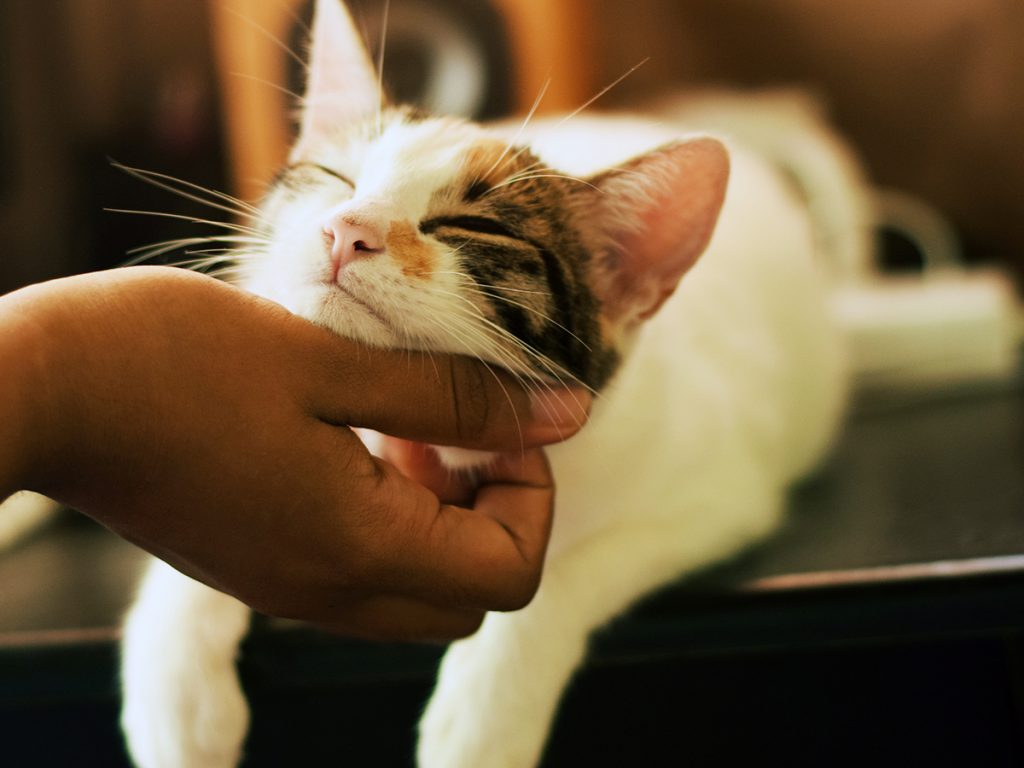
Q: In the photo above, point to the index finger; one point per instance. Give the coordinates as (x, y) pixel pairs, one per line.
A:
(445, 399)
(488, 557)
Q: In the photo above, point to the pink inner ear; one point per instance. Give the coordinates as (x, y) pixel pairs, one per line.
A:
(342, 85)
(663, 207)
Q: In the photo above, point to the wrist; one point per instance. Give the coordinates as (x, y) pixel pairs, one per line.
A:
(27, 391)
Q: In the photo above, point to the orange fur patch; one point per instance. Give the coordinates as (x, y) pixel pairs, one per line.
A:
(491, 162)
(410, 250)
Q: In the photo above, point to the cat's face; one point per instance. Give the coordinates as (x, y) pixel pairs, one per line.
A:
(408, 231)
(433, 234)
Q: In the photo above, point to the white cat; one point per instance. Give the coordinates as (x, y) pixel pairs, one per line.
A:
(405, 231)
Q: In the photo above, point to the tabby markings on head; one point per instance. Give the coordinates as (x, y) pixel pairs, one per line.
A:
(516, 240)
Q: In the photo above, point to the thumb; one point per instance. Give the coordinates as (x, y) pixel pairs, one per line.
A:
(445, 400)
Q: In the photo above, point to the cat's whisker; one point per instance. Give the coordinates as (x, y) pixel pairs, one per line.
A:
(534, 172)
(470, 284)
(544, 176)
(546, 318)
(192, 220)
(269, 35)
(491, 285)
(522, 129)
(270, 84)
(229, 271)
(187, 241)
(512, 160)
(603, 91)
(153, 250)
(228, 203)
(528, 381)
(528, 170)
(221, 253)
(486, 340)
(455, 332)
(477, 339)
(454, 251)
(537, 167)
(498, 333)
(201, 265)
(523, 174)
(469, 333)
(380, 67)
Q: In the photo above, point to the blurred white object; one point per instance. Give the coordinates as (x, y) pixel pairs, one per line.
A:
(22, 514)
(950, 328)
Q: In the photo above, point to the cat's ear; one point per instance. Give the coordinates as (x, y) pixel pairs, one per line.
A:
(341, 85)
(657, 213)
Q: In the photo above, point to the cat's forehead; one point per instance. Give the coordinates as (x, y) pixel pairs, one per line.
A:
(415, 156)
(426, 151)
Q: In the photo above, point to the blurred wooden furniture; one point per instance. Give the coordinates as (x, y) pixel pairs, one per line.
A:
(552, 39)
(249, 38)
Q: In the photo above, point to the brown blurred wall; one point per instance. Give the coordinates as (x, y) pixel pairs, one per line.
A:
(81, 73)
(930, 91)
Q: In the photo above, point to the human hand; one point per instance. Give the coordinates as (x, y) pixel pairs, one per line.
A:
(211, 428)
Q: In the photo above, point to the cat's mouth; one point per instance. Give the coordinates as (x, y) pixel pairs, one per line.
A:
(339, 292)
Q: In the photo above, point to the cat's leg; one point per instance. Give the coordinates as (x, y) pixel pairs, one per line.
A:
(183, 704)
(498, 691)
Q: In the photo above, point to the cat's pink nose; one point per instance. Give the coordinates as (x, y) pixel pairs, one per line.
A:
(348, 239)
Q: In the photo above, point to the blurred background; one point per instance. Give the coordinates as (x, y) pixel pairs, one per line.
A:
(929, 92)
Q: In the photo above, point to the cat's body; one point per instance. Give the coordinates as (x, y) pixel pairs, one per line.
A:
(714, 398)
(732, 390)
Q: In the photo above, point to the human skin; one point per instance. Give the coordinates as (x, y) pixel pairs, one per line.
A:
(213, 429)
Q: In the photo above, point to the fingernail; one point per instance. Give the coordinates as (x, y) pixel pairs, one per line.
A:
(561, 409)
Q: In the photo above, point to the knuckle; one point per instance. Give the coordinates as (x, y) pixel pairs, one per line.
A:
(471, 406)
(273, 603)
(467, 625)
(520, 591)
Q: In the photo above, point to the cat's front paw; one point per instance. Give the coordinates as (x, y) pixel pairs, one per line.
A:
(474, 719)
(179, 723)
(449, 737)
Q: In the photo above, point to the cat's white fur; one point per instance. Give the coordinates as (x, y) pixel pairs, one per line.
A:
(730, 392)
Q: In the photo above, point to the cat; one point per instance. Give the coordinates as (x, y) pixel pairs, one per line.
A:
(673, 274)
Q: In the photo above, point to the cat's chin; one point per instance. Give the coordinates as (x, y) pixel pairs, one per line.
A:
(463, 459)
(453, 459)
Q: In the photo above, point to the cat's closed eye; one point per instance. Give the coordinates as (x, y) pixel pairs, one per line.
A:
(328, 171)
(473, 224)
